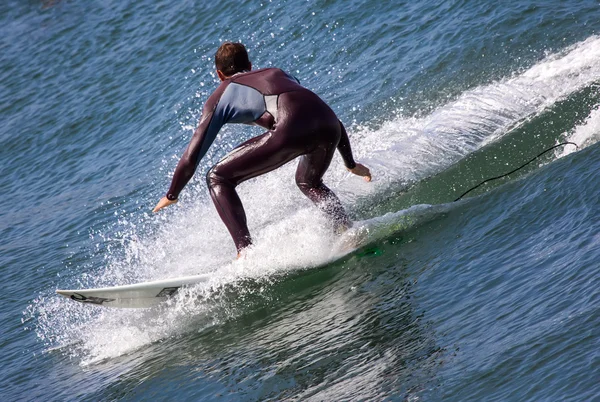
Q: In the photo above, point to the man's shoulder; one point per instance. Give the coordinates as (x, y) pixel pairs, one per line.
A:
(267, 79)
(260, 71)
(214, 98)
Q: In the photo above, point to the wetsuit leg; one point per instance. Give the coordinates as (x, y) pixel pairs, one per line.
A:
(309, 178)
(253, 158)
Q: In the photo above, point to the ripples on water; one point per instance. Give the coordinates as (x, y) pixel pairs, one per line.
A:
(494, 297)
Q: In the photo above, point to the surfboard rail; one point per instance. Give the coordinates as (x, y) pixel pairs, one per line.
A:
(137, 295)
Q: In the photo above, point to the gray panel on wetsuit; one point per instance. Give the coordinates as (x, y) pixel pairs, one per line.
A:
(271, 103)
(238, 104)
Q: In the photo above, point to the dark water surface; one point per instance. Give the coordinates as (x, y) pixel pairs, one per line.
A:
(494, 297)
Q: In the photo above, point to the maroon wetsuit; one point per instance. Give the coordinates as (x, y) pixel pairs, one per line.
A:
(299, 123)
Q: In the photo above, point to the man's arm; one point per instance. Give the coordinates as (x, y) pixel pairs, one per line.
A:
(208, 128)
(346, 152)
(193, 154)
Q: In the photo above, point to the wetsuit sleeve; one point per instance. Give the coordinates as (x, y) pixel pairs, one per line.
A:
(204, 135)
(345, 149)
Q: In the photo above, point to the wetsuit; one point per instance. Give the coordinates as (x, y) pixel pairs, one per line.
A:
(299, 123)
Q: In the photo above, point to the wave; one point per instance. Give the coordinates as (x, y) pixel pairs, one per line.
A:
(407, 150)
(289, 233)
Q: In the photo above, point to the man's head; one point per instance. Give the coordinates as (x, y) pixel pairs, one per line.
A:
(231, 58)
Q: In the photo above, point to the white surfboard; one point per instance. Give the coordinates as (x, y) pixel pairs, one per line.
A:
(137, 295)
(148, 294)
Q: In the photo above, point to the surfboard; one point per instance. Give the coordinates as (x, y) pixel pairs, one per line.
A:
(137, 295)
(149, 294)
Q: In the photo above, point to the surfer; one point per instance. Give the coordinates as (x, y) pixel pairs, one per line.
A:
(299, 124)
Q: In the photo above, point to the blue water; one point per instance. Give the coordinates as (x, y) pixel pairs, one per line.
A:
(494, 297)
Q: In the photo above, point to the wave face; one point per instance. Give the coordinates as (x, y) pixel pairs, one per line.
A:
(492, 297)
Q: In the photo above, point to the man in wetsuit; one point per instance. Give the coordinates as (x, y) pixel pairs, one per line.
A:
(299, 123)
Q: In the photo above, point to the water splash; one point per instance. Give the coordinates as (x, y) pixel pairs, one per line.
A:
(583, 135)
(289, 233)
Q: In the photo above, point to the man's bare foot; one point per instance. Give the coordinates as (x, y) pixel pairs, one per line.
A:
(352, 239)
(341, 228)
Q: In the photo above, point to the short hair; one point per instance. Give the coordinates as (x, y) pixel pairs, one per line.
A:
(232, 58)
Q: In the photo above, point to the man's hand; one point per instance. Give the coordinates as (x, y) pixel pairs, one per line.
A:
(361, 170)
(164, 202)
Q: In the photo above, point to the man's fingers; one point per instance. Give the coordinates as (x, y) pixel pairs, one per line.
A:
(164, 202)
(361, 170)
(157, 208)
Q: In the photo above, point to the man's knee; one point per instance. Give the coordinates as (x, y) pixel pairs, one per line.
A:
(215, 178)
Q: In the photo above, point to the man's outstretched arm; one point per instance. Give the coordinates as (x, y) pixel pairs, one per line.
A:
(189, 160)
(203, 137)
(345, 150)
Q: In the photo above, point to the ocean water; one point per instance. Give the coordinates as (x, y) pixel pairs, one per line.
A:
(493, 297)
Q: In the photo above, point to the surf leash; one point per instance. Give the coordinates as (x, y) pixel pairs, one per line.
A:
(520, 167)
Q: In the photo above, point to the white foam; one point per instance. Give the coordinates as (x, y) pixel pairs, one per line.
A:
(583, 135)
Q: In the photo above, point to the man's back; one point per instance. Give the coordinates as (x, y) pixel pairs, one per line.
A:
(247, 97)
(268, 81)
